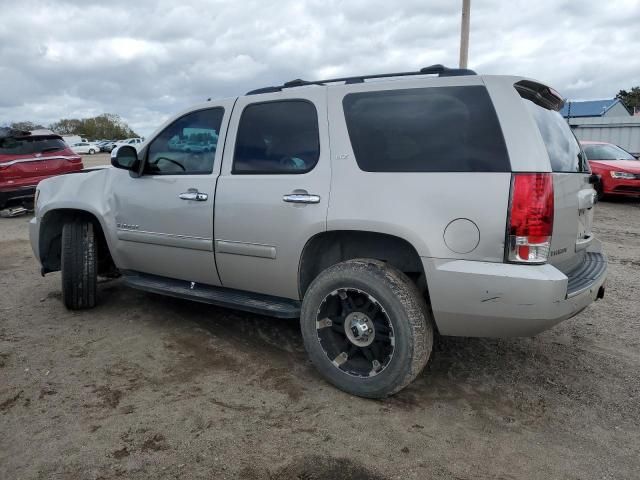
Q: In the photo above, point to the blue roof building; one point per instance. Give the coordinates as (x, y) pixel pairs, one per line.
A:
(594, 108)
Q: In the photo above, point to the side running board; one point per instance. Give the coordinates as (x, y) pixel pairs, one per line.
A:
(223, 297)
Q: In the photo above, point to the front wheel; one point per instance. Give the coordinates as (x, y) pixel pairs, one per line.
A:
(91, 151)
(366, 327)
(79, 265)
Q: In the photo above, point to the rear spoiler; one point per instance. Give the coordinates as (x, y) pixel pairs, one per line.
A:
(7, 132)
(540, 94)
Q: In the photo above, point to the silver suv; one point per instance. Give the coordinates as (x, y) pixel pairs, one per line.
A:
(378, 212)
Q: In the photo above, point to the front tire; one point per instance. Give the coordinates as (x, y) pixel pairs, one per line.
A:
(91, 152)
(366, 328)
(79, 265)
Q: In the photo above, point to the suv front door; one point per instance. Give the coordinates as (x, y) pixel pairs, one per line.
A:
(164, 218)
(273, 191)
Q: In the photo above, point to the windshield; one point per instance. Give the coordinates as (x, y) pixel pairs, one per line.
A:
(30, 145)
(606, 151)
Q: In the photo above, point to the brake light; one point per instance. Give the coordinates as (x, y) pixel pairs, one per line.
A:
(530, 218)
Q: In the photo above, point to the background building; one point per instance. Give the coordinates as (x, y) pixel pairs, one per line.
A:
(604, 121)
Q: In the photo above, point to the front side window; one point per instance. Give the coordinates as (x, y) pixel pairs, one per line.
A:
(605, 151)
(439, 129)
(187, 146)
(277, 138)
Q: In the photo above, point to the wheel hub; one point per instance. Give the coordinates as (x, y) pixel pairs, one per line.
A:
(359, 329)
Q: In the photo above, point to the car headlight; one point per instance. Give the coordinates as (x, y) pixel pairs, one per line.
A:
(628, 176)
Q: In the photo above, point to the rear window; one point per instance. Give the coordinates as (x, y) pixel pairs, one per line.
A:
(562, 146)
(438, 129)
(29, 145)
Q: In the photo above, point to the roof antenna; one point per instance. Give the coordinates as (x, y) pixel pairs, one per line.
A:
(209, 99)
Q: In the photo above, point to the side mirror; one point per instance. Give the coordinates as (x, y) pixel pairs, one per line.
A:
(125, 157)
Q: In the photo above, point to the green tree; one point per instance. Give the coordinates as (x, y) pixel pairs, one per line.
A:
(630, 99)
(107, 125)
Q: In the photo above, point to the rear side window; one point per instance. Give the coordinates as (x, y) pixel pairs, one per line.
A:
(564, 150)
(439, 129)
(277, 138)
(30, 145)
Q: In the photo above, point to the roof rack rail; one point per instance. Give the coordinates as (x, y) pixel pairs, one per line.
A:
(438, 69)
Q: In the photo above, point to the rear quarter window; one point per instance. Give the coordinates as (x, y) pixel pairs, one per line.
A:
(437, 129)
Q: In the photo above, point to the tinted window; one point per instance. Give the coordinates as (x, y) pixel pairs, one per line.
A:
(26, 146)
(606, 152)
(187, 146)
(564, 150)
(277, 137)
(443, 129)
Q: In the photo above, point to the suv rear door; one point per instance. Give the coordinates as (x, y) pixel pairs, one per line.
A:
(574, 196)
(273, 191)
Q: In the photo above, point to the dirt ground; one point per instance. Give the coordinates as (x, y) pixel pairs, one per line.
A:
(150, 387)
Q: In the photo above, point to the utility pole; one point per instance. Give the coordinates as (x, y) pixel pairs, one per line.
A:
(464, 33)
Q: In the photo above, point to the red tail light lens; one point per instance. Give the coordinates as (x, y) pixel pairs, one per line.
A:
(530, 218)
(71, 156)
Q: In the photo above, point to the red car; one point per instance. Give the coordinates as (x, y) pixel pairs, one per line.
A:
(618, 169)
(28, 157)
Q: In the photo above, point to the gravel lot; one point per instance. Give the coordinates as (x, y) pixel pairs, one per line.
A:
(151, 387)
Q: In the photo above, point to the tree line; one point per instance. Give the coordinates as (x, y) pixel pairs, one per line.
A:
(630, 99)
(107, 125)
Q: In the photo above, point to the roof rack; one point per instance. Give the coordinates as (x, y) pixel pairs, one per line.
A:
(441, 70)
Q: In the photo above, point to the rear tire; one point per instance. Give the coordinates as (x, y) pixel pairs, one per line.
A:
(79, 265)
(394, 309)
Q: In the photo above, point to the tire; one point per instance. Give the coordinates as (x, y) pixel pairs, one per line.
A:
(402, 313)
(79, 265)
(91, 151)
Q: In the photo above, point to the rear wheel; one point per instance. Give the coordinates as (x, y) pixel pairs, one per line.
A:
(79, 265)
(366, 327)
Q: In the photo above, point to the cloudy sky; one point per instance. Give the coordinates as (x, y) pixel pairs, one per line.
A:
(147, 59)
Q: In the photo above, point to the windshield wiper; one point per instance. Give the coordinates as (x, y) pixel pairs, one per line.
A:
(51, 149)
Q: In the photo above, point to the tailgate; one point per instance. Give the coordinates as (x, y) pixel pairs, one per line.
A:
(574, 196)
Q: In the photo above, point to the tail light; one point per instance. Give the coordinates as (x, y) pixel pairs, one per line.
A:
(72, 157)
(530, 218)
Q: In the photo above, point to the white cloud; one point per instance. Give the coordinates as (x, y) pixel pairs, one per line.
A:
(147, 59)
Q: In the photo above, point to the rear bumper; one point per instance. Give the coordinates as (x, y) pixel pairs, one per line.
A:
(22, 193)
(482, 299)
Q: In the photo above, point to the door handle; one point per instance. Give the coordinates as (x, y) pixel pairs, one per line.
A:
(193, 194)
(301, 198)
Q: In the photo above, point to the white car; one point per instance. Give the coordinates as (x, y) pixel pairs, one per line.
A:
(85, 147)
(134, 142)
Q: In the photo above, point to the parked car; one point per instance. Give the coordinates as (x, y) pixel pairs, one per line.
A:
(85, 147)
(619, 171)
(373, 211)
(108, 145)
(26, 158)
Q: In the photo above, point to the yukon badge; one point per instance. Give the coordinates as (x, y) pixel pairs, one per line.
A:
(127, 226)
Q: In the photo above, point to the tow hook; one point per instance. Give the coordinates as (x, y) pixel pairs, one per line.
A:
(600, 293)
